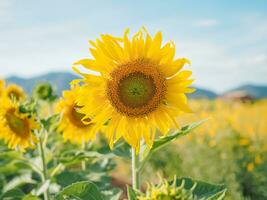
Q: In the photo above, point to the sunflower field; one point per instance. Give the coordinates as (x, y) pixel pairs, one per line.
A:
(129, 131)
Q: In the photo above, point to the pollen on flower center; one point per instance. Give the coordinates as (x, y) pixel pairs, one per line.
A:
(16, 124)
(76, 117)
(136, 88)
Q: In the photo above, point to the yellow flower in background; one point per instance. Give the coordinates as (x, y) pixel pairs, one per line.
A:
(15, 92)
(2, 86)
(250, 167)
(140, 87)
(71, 124)
(258, 160)
(244, 142)
(16, 128)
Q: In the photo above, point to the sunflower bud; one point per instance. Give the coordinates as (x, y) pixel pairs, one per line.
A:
(45, 92)
(168, 191)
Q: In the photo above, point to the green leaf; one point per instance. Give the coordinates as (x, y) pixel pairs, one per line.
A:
(2, 182)
(161, 142)
(167, 139)
(80, 191)
(122, 149)
(14, 194)
(30, 197)
(43, 188)
(51, 122)
(131, 193)
(29, 107)
(18, 181)
(66, 178)
(113, 194)
(73, 156)
(203, 190)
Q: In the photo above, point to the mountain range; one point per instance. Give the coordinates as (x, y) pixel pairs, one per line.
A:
(61, 80)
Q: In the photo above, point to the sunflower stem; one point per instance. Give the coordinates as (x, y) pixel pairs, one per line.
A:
(83, 161)
(135, 170)
(44, 168)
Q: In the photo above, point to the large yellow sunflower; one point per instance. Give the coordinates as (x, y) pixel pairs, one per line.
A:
(139, 89)
(71, 124)
(15, 92)
(16, 128)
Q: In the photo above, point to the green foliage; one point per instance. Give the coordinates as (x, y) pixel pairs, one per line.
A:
(17, 194)
(159, 143)
(30, 197)
(80, 191)
(67, 177)
(202, 190)
(29, 107)
(14, 194)
(112, 194)
(50, 123)
(132, 195)
(122, 149)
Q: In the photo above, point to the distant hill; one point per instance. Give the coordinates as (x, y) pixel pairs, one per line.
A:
(60, 81)
(203, 93)
(256, 91)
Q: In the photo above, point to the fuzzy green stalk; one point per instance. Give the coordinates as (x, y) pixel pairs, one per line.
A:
(135, 170)
(83, 161)
(44, 168)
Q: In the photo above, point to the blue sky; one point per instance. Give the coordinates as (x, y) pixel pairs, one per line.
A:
(226, 40)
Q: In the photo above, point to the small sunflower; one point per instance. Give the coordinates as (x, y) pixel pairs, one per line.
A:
(71, 124)
(16, 128)
(15, 92)
(139, 89)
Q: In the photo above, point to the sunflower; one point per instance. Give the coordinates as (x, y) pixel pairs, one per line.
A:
(16, 128)
(71, 124)
(15, 92)
(139, 87)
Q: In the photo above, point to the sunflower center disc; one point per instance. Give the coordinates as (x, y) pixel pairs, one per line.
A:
(136, 88)
(76, 117)
(16, 124)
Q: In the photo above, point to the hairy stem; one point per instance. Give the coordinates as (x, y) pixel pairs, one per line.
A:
(44, 168)
(83, 161)
(135, 170)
